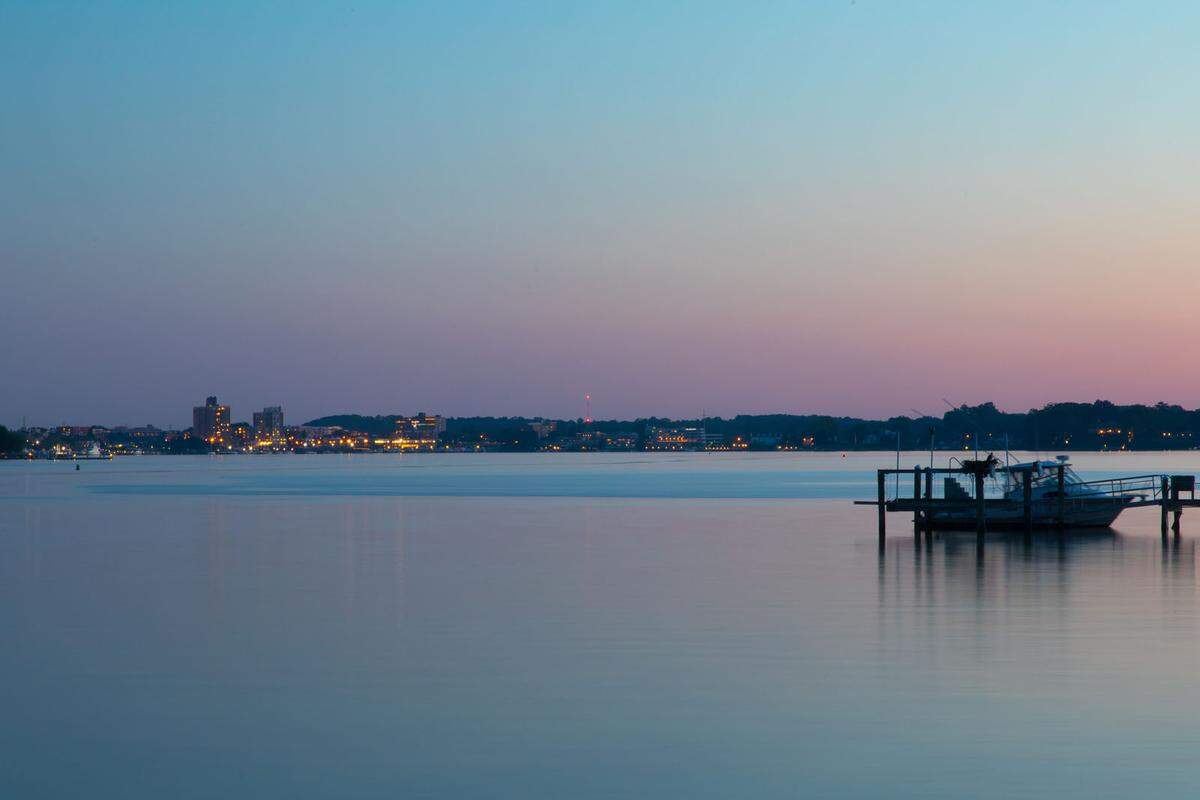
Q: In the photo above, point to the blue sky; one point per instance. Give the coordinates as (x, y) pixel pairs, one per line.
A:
(496, 207)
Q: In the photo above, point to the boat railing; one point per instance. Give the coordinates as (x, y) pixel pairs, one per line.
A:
(1138, 487)
(1145, 487)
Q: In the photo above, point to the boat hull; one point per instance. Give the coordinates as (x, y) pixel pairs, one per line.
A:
(1079, 512)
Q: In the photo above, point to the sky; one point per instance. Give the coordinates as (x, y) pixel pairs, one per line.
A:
(494, 208)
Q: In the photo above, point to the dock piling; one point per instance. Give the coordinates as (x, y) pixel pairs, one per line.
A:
(882, 478)
(1176, 506)
(917, 501)
(980, 517)
(1027, 501)
(1062, 495)
(928, 504)
(1165, 490)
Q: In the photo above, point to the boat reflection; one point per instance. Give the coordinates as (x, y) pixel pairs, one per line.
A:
(1050, 567)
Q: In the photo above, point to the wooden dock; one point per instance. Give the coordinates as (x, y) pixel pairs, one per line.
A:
(1165, 491)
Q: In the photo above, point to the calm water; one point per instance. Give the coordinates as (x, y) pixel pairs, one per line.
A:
(579, 626)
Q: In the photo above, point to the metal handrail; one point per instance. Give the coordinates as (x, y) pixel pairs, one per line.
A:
(1123, 478)
(1139, 484)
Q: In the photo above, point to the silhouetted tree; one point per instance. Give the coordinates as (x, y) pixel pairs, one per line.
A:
(11, 441)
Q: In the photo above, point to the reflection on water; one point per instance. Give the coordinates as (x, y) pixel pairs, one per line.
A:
(248, 644)
(1011, 565)
(1009, 561)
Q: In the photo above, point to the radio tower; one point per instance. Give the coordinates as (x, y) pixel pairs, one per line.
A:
(587, 409)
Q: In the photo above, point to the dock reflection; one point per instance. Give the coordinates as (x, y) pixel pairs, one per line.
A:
(1046, 567)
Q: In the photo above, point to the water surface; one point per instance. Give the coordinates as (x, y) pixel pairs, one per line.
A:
(586, 626)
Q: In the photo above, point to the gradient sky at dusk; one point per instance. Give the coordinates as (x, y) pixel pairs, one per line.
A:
(491, 208)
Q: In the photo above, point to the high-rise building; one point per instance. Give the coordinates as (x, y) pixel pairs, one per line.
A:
(210, 422)
(268, 424)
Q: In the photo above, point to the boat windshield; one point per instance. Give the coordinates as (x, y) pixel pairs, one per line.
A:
(1045, 475)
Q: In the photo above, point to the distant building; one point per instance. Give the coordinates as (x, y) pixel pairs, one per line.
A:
(141, 432)
(586, 440)
(766, 441)
(621, 440)
(543, 428)
(268, 424)
(241, 434)
(675, 439)
(317, 438)
(310, 436)
(420, 432)
(210, 422)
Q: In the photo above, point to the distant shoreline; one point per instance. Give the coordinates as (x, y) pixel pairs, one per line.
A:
(885, 455)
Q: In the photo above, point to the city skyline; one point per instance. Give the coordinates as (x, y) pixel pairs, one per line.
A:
(1098, 426)
(848, 208)
(247, 412)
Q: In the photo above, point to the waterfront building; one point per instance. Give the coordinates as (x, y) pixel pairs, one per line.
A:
(317, 438)
(420, 432)
(766, 441)
(581, 441)
(621, 440)
(268, 424)
(318, 431)
(141, 432)
(210, 422)
(676, 439)
(241, 434)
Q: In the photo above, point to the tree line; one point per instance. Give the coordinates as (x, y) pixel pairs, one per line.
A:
(1100, 425)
